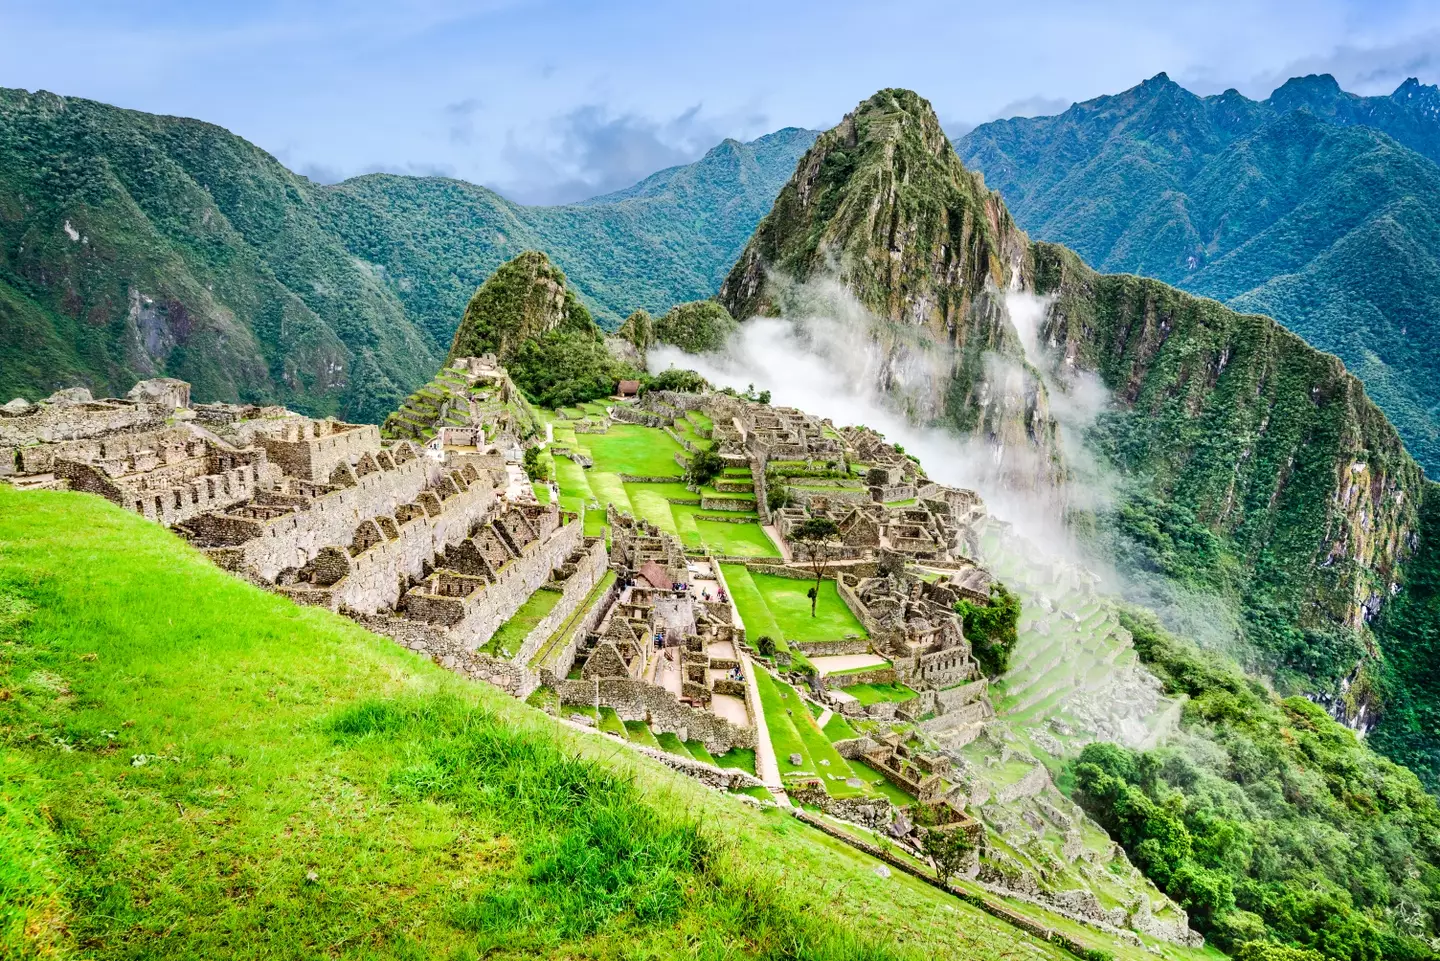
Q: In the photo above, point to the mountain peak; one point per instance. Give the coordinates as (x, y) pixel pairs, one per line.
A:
(1311, 90)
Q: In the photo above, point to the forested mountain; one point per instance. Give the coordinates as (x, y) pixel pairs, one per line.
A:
(1251, 467)
(134, 245)
(1318, 207)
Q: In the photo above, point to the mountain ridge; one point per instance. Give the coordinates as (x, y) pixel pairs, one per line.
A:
(198, 255)
(1315, 206)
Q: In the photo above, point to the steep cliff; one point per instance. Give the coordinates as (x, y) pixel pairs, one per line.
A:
(1257, 466)
(882, 204)
(524, 299)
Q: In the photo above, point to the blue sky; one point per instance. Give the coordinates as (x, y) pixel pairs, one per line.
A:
(555, 101)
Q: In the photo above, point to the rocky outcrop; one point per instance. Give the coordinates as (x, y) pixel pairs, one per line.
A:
(524, 299)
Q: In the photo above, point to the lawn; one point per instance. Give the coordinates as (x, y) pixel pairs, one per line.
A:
(640, 733)
(793, 731)
(698, 752)
(571, 479)
(875, 693)
(507, 640)
(194, 767)
(751, 605)
(785, 598)
(839, 729)
(610, 722)
(673, 744)
(741, 758)
(736, 540)
(635, 450)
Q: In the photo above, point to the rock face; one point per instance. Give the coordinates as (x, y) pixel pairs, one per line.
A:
(524, 299)
(883, 204)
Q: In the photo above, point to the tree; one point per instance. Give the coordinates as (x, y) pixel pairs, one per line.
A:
(947, 850)
(814, 537)
(676, 379)
(704, 467)
(766, 645)
(764, 397)
(534, 467)
(992, 629)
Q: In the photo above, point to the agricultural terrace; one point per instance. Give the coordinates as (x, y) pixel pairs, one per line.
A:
(796, 733)
(632, 450)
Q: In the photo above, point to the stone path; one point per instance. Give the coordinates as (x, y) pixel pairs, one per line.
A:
(766, 767)
(774, 533)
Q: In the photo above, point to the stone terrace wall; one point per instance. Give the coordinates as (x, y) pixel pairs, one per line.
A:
(316, 457)
(60, 422)
(554, 674)
(497, 603)
(269, 546)
(588, 572)
(377, 576)
(636, 700)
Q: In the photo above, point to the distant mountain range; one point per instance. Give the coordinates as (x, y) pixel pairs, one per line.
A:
(1318, 207)
(135, 245)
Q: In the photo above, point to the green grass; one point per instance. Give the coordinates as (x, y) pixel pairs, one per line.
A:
(440, 818)
(610, 722)
(785, 598)
(640, 733)
(736, 540)
(698, 752)
(876, 693)
(880, 784)
(635, 450)
(752, 607)
(839, 729)
(507, 640)
(542, 491)
(793, 731)
(673, 744)
(742, 758)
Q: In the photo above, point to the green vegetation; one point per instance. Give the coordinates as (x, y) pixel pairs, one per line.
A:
(263, 286)
(1285, 827)
(991, 628)
(793, 731)
(680, 381)
(876, 693)
(507, 640)
(788, 605)
(704, 467)
(635, 450)
(1330, 225)
(697, 327)
(814, 539)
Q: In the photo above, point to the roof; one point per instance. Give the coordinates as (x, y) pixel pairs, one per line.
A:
(629, 387)
(656, 575)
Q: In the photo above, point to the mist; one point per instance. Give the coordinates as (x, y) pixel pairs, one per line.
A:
(823, 357)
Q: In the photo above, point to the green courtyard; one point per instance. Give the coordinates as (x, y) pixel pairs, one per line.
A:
(636, 451)
(779, 607)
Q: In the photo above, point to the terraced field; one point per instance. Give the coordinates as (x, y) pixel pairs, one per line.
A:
(636, 451)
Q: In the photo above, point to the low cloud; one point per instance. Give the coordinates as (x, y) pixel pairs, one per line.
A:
(1371, 70)
(591, 151)
(1035, 106)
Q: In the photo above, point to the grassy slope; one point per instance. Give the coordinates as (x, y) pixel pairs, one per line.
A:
(282, 741)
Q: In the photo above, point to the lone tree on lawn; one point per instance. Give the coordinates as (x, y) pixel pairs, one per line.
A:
(948, 850)
(814, 538)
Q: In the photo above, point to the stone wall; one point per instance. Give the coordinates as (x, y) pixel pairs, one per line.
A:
(377, 576)
(315, 457)
(636, 700)
(53, 423)
(553, 675)
(876, 675)
(832, 648)
(491, 605)
(728, 503)
(269, 545)
(577, 587)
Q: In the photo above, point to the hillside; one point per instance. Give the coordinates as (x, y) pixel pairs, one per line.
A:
(196, 767)
(1315, 206)
(1247, 467)
(135, 245)
(882, 203)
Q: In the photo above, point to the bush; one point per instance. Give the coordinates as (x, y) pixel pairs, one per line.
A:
(704, 467)
(992, 628)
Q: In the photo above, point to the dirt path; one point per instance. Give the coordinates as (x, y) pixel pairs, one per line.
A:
(766, 767)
